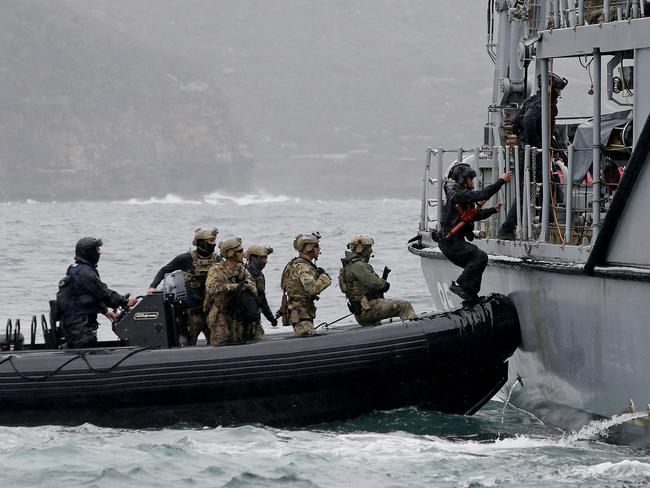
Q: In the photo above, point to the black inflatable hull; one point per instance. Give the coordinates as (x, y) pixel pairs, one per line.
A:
(451, 362)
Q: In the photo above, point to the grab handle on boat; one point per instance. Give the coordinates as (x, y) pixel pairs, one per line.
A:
(46, 333)
(32, 335)
(16, 334)
(8, 330)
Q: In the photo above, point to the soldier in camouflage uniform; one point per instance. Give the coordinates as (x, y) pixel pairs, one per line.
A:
(225, 281)
(256, 258)
(301, 283)
(365, 289)
(195, 265)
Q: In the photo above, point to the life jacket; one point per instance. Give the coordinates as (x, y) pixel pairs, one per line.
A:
(451, 216)
(72, 298)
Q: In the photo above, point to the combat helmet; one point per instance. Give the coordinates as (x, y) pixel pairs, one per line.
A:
(557, 82)
(204, 234)
(257, 250)
(360, 240)
(86, 248)
(229, 247)
(461, 172)
(302, 240)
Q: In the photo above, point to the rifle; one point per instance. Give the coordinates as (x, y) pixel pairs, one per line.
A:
(464, 216)
(384, 276)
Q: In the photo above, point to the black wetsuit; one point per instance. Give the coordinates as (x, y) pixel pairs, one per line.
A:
(82, 295)
(460, 252)
(182, 262)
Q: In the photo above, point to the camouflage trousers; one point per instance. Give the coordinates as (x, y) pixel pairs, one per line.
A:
(196, 323)
(301, 318)
(384, 308)
(227, 329)
(257, 331)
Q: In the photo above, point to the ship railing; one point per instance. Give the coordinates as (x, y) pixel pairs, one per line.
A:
(563, 215)
(484, 160)
(575, 13)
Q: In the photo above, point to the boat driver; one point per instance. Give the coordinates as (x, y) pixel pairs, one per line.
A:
(365, 290)
(82, 295)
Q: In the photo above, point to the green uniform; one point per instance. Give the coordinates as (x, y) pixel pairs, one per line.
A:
(301, 284)
(220, 287)
(364, 289)
(195, 279)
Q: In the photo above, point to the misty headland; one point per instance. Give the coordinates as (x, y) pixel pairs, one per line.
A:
(116, 99)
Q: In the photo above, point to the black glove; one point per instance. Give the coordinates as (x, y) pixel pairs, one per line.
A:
(274, 322)
(386, 287)
(321, 271)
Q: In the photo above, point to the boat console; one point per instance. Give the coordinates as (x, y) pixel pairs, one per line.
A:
(157, 319)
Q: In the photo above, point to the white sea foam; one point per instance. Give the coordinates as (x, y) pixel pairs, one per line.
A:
(259, 198)
(167, 199)
(623, 469)
(593, 430)
(216, 198)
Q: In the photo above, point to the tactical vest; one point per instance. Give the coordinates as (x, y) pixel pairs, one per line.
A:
(195, 277)
(260, 281)
(292, 287)
(350, 286)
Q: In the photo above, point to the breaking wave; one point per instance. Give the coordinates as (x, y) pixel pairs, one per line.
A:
(215, 198)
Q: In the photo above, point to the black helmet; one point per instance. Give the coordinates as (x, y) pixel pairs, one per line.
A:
(86, 248)
(556, 81)
(461, 172)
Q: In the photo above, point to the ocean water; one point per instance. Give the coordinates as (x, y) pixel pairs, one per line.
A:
(498, 446)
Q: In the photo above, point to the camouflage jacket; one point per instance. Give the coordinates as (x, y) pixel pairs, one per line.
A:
(358, 279)
(301, 280)
(222, 282)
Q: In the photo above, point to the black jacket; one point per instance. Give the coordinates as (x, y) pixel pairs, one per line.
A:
(460, 195)
(82, 292)
(182, 262)
(527, 124)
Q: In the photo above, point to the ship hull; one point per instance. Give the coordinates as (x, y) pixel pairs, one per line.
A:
(584, 351)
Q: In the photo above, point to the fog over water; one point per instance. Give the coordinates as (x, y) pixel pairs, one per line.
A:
(116, 99)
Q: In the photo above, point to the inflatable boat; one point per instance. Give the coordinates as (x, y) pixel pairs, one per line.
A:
(452, 362)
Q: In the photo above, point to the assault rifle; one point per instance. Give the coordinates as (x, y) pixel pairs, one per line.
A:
(384, 276)
(464, 217)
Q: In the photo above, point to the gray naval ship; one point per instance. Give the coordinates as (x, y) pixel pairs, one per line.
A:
(578, 268)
